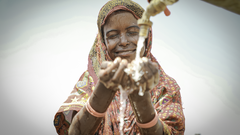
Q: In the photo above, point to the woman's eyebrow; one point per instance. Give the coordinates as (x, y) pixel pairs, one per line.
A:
(110, 31)
(135, 26)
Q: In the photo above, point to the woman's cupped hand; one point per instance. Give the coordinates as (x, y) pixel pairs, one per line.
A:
(149, 75)
(112, 75)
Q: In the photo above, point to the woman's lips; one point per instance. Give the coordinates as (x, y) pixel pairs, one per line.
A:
(125, 53)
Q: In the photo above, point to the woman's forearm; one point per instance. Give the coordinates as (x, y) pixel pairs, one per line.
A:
(85, 123)
(145, 112)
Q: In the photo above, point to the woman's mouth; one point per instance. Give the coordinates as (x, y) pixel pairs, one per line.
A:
(125, 53)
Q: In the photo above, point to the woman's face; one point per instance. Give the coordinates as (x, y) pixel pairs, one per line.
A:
(121, 34)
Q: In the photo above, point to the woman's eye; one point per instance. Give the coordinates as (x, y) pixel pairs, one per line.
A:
(112, 36)
(133, 33)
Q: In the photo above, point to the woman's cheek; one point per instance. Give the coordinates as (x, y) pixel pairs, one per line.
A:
(135, 39)
(110, 48)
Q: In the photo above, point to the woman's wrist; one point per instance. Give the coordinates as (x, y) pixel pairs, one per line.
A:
(146, 116)
(92, 111)
(150, 124)
(101, 98)
(143, 107)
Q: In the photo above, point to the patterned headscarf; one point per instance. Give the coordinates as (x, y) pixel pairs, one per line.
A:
(166, 96)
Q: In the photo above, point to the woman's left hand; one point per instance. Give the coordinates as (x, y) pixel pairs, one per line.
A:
(150, 77)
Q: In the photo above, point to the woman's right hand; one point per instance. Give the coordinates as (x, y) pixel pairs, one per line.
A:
(111, 73)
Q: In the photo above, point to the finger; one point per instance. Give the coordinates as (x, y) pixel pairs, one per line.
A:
(107, 68)
(113, 66)
(155, 64)
(157, 74)
(105, 64)
(150, 83)
(143, 83)
(117, 78)
(133, 62)
(128, 70)
(156, 78)
(133, 84)
(151, 73)
(146, 69)
(153, 67)
(104, 76)
(126, 81)
(144, 86)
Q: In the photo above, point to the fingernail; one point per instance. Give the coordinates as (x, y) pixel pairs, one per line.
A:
(117, 60)
(124, 61)
(109, 64)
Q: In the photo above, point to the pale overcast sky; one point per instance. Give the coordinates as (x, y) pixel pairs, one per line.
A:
(44, 47)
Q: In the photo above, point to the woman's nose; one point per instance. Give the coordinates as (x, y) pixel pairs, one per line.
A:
(123, 40)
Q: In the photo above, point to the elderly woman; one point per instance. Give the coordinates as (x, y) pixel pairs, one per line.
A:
(94, 103)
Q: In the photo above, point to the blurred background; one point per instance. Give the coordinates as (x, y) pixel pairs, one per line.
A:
(44, 47)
